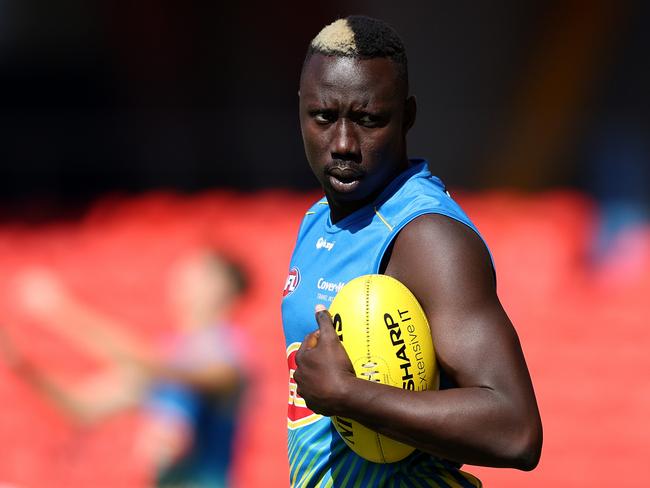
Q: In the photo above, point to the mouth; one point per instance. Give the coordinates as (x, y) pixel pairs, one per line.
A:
(344, 179)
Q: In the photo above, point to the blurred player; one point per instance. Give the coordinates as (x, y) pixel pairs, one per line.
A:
(190, 391)
(385, 213)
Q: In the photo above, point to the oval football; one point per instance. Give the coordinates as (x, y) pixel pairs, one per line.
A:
(387, 337)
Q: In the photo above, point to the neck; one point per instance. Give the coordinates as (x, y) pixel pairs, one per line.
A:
(339, 210)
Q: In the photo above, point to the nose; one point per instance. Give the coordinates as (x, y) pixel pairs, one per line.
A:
(345, 144)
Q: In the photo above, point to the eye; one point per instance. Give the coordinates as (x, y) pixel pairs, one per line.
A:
(369, 120)
(323, 116)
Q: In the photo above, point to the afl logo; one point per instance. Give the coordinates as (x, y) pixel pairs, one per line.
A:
(298, 415)
(293, 280)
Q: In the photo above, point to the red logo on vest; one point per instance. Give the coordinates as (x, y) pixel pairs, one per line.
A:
(298, 415)
(293, 280)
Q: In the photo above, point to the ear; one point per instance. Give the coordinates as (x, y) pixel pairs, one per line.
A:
(410, 111)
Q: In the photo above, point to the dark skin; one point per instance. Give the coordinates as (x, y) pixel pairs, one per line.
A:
(491, 418)
(354, 122)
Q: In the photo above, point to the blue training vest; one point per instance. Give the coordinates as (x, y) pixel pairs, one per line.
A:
(326, 257)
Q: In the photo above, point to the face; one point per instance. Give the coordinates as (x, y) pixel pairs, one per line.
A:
(354, 115)
(199, 287)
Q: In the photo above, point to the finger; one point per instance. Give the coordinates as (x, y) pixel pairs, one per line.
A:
(311, 341)
(324, 320)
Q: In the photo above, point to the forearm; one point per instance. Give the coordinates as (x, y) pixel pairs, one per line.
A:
(74, 404)
(217, 378)
(98, 333)
(473, 425)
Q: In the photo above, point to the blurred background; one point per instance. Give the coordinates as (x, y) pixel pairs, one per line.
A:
(134, 133)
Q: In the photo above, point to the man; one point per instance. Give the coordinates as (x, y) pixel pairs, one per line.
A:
(189, 390)
(384, 213)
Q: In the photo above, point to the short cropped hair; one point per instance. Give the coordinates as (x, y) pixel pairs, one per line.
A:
(361, 37)
(237, 276)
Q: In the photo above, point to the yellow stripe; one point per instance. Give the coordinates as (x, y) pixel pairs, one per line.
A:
(296, 424)
(390, 227)
(323, 203)
(328, 483)
(310, 213)
(293, 400)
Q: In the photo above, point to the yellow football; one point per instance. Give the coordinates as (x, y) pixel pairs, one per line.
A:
(387, 337)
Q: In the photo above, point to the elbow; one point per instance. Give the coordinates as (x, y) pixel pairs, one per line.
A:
(528, 448)
(529, 458)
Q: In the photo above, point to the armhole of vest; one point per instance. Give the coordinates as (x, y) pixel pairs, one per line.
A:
(396, 230)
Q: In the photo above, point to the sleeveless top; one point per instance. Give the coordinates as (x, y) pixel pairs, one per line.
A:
(327, 256)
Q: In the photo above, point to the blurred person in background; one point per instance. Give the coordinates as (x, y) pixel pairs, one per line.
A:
(190, 390)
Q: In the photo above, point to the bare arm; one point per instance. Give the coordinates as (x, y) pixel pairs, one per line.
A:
(102, 395)
(43, 295)
(216, 377)
(491, 418)
(105, 394)
(92, 401)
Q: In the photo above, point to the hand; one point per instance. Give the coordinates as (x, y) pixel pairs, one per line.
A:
(324, 373)
(40, 292)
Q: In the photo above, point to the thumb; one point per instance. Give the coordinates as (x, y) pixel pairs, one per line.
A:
(324, 320)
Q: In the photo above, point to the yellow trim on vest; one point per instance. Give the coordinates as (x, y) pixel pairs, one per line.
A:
(390, 227)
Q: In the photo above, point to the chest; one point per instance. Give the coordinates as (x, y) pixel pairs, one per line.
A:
(321, 264)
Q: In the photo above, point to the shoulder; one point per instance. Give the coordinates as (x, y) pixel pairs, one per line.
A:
(316, 213)
(441, 237)
(435, 255)
(319, 207)
(420, 195)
